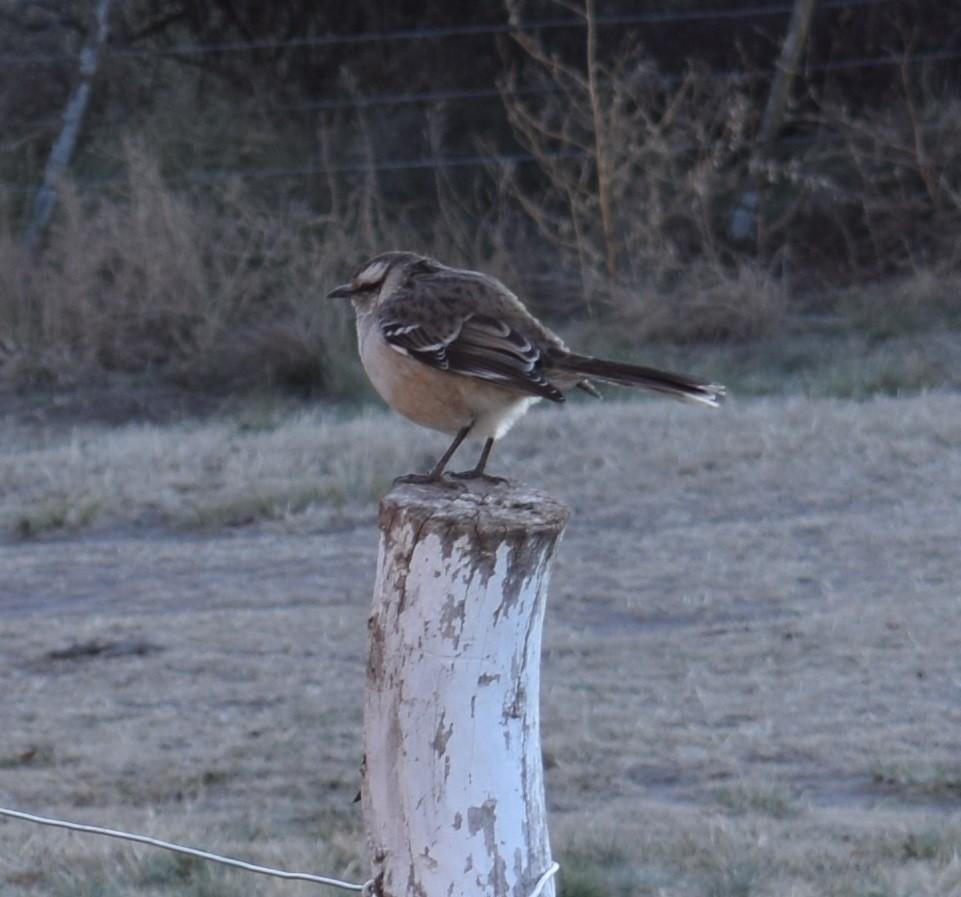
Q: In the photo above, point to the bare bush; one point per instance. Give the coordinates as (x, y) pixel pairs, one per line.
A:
(208, 284)
(217, 280)
(716, 303)
(876, 193)
(641, 179)
(215, 284)
(639, 174)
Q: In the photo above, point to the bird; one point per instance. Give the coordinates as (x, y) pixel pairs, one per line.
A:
(455, 350)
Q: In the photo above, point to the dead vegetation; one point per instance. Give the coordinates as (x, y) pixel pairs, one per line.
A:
(654, 190)
(634, 164)
(208, 285)
(647, 208)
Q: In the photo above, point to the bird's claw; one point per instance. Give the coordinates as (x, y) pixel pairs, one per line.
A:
(427, 478)
(480, 475)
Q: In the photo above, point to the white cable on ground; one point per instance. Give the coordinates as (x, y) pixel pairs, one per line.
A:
(191, 851)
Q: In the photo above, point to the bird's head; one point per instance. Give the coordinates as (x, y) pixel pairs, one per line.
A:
(381, 276)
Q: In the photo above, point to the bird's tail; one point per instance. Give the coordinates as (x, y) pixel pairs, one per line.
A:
(678, 386)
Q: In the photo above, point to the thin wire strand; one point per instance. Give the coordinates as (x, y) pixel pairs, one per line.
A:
(189, 851)
(446, 95)
(366, 888)
(408, 34)
(544, 879)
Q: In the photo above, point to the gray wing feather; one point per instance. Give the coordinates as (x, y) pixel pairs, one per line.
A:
(434, 325)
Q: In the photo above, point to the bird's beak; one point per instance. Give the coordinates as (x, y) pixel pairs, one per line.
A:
(340, 292)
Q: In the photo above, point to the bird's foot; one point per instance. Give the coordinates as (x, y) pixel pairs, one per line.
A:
(423, 478)
(475, 474)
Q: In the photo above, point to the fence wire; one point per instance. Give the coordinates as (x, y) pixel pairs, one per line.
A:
(405, 35)
(438, 97)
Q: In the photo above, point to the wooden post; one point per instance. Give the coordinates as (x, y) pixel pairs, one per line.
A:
(742, 225)
(453, 791)
(62, 149)
(786, 69)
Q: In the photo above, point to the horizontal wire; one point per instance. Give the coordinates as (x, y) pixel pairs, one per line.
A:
(481, 93)
(485, 93)
(366, 889)
(413, 164)
(490, 93)
(408, 34)
(178, 848)
(421, 163)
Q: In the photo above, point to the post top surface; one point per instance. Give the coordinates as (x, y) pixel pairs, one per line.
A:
(479, 504)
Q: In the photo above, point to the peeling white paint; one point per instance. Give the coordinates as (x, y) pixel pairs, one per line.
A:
(453, 790)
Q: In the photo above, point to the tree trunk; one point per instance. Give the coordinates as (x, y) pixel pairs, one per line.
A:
(453, 786)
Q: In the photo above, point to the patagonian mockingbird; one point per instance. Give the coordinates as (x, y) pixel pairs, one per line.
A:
(457, 351)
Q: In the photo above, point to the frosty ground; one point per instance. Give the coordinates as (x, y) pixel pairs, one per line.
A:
(752, 669)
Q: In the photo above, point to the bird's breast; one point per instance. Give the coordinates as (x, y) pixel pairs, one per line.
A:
(435, 398)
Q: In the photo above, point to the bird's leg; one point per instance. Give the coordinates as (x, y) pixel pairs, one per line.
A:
(437, 474)
(477, 472)
(478, 469)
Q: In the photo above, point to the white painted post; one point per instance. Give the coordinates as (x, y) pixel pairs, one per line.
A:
(453, 787)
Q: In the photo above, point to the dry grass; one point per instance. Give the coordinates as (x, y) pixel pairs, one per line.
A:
(208, 286)
(749, 679)
(220, 286)
(924, 301)
(714, 304)
(266, 458)
(630, 208)
(190, 475)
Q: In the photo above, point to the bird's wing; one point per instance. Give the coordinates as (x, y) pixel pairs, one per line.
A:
(435, 321)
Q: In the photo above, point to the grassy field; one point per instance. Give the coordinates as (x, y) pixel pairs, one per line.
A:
(752, 668)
